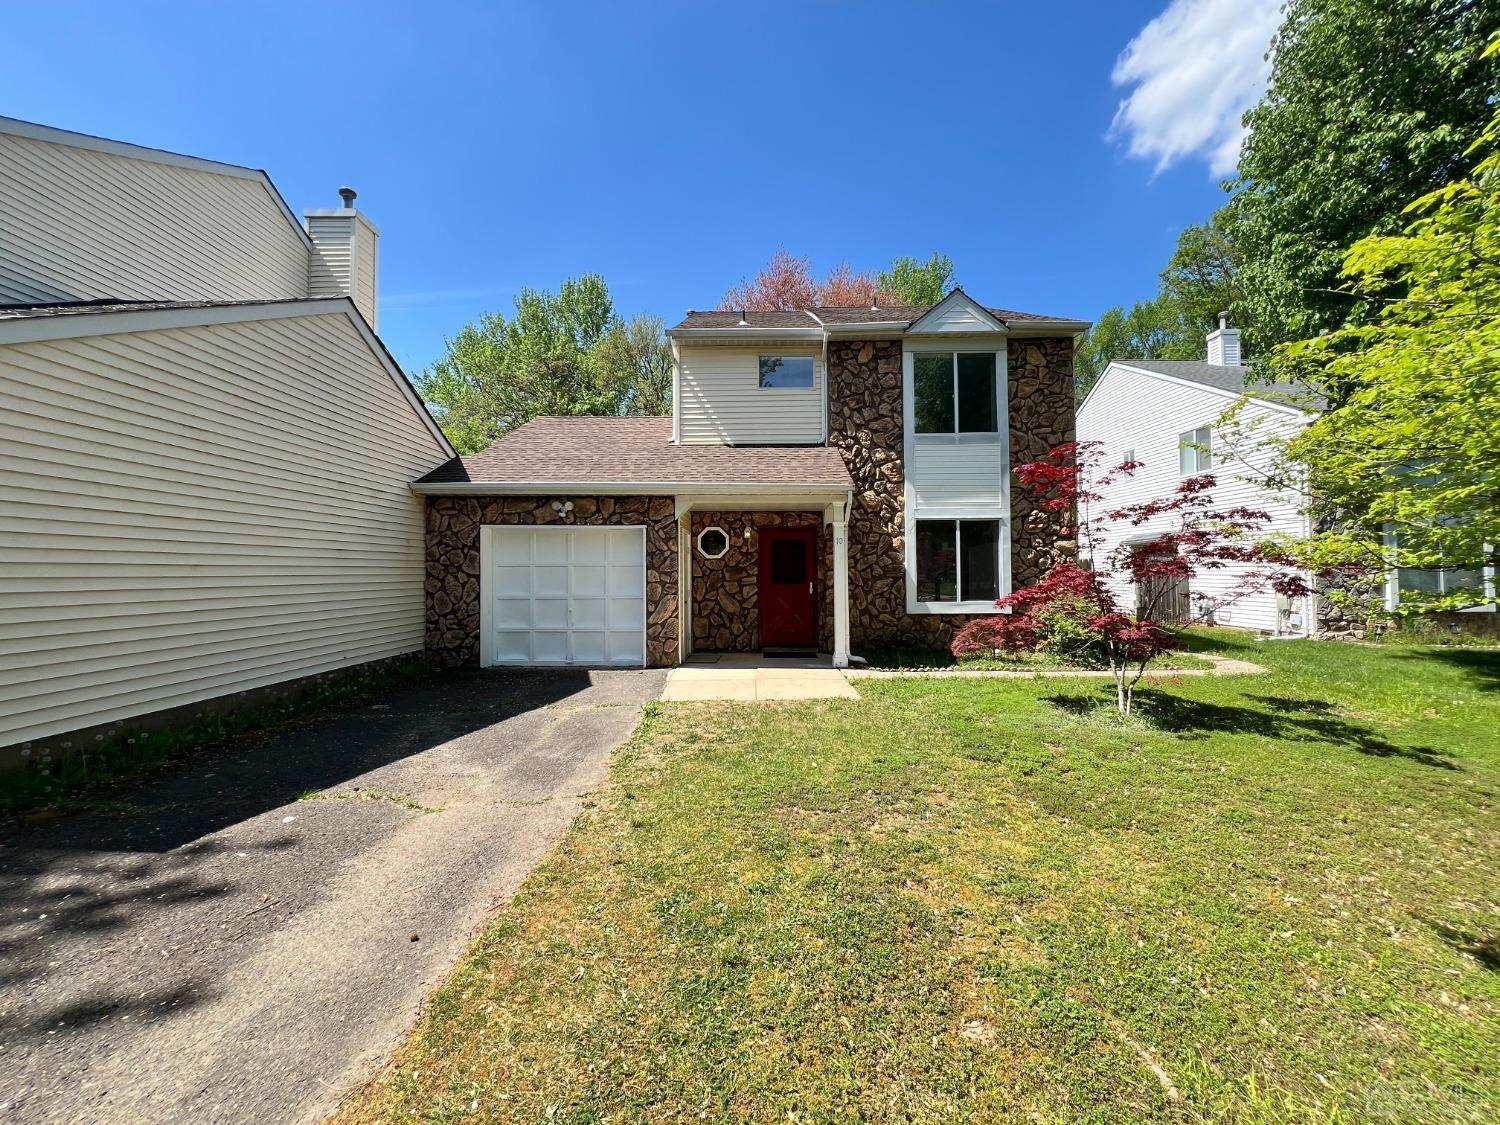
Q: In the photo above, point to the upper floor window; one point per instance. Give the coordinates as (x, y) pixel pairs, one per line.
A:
(786, 371)
(1129, 458)
(1195, 451)
(954, 393)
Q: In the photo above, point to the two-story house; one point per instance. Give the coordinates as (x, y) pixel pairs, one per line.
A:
(205, 451)
(831, 479)
(1166, 416)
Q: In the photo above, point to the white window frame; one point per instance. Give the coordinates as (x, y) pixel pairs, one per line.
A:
(995, 444)
(1002, 571)
(705, 531)
(953, 353)
(1187, 441)
(1129, 455)
(760, 357)
(1393, 579)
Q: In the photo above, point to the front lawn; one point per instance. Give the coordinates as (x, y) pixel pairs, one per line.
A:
(1266, 898)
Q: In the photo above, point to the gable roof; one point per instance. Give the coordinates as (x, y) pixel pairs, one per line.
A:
(30, 130)
(66, 320)
(897, 317)
(593, 454)
(1232, 379)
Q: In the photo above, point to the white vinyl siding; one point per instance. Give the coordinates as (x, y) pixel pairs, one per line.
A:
(1143, 416)
(964, 473)
(722, 402)
(343, 260)
(196, 511)
(78, 224)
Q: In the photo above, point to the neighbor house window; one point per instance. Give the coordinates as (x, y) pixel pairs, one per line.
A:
(1129, 457)
(958, 560)
(786, 371)
(1429, 583)
(954, 393)
(1195, 451)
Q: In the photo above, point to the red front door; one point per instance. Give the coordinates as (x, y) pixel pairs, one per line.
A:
(788, 609)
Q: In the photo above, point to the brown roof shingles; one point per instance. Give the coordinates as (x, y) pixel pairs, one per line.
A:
(588, 451)
(901, 315)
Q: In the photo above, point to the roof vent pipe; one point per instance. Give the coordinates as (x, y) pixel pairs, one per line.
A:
(347, 194)
(744, 319)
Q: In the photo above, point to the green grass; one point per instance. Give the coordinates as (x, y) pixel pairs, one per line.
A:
(72, 782)
(990, 900)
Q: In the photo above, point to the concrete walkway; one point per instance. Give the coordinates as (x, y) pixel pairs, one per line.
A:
(751, 678)
(214, 949)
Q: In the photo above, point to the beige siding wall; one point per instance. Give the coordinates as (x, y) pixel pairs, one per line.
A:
(191, 512)
(722, 400)
(76, 224)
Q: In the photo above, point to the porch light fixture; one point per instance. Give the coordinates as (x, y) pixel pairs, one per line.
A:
(713, 542)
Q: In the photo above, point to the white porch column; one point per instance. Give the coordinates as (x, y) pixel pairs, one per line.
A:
(840, 592)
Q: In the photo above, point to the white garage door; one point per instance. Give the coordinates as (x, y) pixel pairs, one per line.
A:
(563, 595)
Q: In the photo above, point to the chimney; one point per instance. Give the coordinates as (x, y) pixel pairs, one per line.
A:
(1224, 344)
(343, 262)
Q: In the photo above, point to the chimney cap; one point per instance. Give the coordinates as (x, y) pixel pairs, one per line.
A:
(1224, 319)
(348, 195)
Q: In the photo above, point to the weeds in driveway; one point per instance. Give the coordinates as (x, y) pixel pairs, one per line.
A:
(1264, 899)
(404, 800)
(66, 783)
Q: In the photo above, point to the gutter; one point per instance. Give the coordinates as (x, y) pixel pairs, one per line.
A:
(624, 488)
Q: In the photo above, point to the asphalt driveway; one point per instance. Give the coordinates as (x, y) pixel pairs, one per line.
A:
(249, 935)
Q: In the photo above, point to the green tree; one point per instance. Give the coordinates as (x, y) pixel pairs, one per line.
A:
(1202, 278)
(1370, 105)
(634, 362)
(560, 353)
(911, 282)
(1411, 440)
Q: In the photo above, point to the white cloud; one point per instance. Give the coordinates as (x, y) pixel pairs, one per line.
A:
(1192, 72)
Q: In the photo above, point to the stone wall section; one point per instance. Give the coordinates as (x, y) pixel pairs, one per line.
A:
(725, 601)
(865, 422)
(452, 541)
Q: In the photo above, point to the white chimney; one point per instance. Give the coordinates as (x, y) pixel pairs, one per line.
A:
(1224, 344)
(343, 260)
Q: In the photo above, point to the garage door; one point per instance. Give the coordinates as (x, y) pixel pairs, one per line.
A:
(563, 595)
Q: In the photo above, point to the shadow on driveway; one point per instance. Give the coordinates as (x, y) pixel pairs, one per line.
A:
(275, 877)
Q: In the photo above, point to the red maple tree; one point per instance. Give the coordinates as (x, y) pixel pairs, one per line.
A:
(1199, 538)
(787, 283)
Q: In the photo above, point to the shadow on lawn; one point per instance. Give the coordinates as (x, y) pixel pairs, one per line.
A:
(1484, 948)
(1297, 720)
(1480, 665)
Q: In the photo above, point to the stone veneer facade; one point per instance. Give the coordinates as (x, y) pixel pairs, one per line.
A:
(865, 421)
(726, 598)
(453, 524)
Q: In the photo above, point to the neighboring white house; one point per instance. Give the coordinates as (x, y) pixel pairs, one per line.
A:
(205, 450)
(1164, 414)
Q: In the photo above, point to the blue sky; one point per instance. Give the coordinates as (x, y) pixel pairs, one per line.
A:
(1053, 150)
